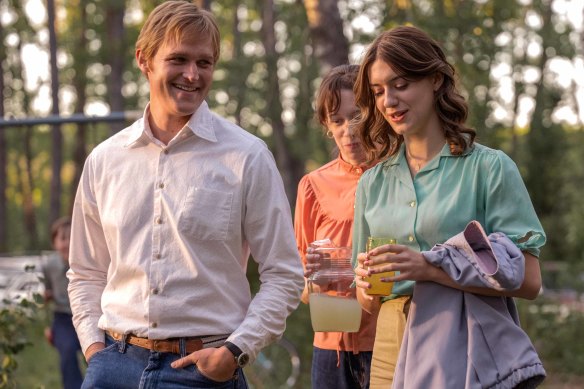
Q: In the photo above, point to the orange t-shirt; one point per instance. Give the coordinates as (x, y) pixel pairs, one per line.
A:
(324, 209)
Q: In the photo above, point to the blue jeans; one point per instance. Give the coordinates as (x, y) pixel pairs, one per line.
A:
(67, 344)
(121, 365)
(352, 372)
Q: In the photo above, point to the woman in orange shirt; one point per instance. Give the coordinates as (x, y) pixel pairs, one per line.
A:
(324, 209)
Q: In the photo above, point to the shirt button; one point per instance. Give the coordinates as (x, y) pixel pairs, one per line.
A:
(165, 151)
(154, 291)
(412, 204)
(161, 186)
(411, 238)
(158, 221)
(154, 325)
(158, 256)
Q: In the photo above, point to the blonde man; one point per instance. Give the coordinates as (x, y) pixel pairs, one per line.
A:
(166, 215)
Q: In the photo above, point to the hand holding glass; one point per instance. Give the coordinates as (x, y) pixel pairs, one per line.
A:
(378, 287)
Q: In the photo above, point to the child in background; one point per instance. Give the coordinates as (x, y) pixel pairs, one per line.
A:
(62, 334)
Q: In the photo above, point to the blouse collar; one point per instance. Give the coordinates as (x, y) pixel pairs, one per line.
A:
(347, 167)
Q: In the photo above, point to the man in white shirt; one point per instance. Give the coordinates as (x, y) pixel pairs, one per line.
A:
(166, 215)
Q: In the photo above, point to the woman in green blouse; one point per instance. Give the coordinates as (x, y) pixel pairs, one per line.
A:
(434, 180)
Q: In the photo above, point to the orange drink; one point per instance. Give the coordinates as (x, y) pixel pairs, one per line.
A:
(379, 288)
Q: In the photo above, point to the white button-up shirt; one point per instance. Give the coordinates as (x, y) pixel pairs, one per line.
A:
(161, 237)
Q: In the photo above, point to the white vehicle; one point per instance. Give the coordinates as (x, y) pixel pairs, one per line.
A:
(16, 282)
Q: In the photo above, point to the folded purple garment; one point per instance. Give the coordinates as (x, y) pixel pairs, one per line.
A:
(495, 261)
(456, 339)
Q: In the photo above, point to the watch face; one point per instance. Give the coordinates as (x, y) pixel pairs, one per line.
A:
(242, 360)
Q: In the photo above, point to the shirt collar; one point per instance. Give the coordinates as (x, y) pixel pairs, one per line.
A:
(200, 124)
(400, 156)
(347, 167)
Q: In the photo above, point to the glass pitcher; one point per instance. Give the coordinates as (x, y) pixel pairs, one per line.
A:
(332, 300)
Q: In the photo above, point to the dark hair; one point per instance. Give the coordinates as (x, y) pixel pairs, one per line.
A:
(328, 97)
(63, 222)
(413, 55)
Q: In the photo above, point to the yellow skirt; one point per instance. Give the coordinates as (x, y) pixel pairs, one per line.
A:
(391, 325)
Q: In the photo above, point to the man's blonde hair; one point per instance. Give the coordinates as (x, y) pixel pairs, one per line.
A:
(170, 21)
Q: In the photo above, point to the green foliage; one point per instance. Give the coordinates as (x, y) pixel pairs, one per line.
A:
(38, 365)
(41, 173)
(14, 316)
(554, 329)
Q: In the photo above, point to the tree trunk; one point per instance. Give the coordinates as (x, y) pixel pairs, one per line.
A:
(56, 136)
(544, 139)
(115, 35)
(27, 190)
(26, 174)
(80, 84)
(326, 29)
(236, 57)
(518, 64)
(3, 151)
(283, 156)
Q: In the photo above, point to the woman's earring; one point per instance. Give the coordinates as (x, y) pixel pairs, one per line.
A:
(329, 134)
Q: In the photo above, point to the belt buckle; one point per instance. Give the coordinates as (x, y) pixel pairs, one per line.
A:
(155, 345)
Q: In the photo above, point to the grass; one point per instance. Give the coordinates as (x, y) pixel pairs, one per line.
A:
(38, 364)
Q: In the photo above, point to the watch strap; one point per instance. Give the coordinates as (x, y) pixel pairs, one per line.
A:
(241, 358)
(236, 351)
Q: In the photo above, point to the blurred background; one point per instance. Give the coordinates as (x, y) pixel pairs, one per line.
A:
(68, 80)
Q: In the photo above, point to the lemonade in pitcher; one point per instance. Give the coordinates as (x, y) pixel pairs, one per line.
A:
(332, 301)
(334, 313)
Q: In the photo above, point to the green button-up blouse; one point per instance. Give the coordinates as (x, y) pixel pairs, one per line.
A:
(481, 184)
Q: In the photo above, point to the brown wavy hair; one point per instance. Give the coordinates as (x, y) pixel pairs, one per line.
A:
(413, 55)
(169, 21)
(328, 97)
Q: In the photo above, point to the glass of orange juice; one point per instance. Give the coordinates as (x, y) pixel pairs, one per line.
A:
(379, 288)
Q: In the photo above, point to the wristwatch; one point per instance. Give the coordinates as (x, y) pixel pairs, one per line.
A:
(241, 358)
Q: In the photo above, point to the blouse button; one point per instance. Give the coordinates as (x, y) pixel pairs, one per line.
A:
(411, 238)
(412, 204)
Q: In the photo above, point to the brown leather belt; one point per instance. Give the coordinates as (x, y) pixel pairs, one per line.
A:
(163, 345)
